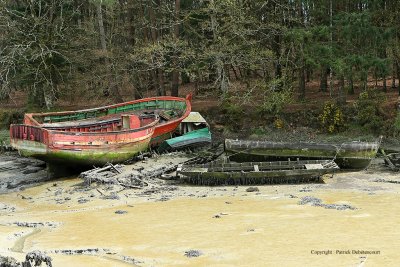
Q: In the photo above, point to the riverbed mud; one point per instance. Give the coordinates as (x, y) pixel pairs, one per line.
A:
(17, 173)
(207, 226)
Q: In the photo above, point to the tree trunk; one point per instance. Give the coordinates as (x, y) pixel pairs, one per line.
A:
(365, 80)
(302, 83)
(175, 72)
(342, 91)
(131, 21)
(398, 75)
(323, 86)
(112, 83)
(384, 84)
(351, 84)
(308, 73)
(159, 71)
(234, 72)
(101, 27)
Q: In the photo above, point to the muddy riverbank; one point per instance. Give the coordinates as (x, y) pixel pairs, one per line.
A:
(17, 172)
(177, 225)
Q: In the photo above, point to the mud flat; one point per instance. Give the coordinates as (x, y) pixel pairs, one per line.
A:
(178, 225)
(18, 173)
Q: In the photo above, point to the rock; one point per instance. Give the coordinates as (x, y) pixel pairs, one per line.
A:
(36, 224)
(17, 172)
(305, 190)
(164, 198)
(193, 253)
(113, 195)
(316, 202)
(87, 251)
(252, 189)
(83, 200)
(121, 212)
(309, 200)
(8, 262)
(29, 170)
(36, 258)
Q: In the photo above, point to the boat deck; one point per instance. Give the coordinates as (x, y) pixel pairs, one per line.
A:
(110, 122)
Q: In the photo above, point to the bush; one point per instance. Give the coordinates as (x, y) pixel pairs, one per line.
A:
(233, 112)
(276, 97)
(9, 117)
(331, 119)
(396, 124)
(367, 107)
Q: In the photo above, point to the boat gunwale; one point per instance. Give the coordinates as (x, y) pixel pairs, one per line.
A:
(187, 100)
(270, 144)
(287, 163)
(123, 131)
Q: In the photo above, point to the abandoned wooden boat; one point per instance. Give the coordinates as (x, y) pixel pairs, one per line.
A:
(171, 111)
(350, 155)
(215, 173)
(193, 139)
(95, 136)
(91, 144)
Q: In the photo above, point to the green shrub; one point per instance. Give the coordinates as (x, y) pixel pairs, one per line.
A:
(275, 97)
(233, 112)
(331, 119)
(396, 124)
(367, 107)
(10, 116)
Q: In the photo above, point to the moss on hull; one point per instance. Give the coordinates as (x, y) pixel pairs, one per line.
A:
(354, 155)
(223, 178)
(307, 153)
(83, 157)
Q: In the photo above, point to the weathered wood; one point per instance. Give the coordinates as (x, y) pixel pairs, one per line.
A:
(389, 161)
(256, 173)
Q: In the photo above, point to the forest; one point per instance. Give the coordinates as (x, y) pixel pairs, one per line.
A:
(336, 60)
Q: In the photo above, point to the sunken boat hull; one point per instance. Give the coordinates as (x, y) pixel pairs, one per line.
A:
(248, 173)
(349, 155)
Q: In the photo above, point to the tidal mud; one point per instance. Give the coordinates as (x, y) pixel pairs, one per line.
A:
(205, 226)
(17, 173)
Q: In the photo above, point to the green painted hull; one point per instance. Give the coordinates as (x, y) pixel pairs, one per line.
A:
(190, 139)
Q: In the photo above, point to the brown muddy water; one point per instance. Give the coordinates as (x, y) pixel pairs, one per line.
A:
(227, 225)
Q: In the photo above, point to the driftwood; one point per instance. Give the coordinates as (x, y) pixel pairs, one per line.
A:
(109, 170)
(389, 161)
(144, 172)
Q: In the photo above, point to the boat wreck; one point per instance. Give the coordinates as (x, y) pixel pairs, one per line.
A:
(96, 136)
(190, 140)
(251, 173)
(349, 155)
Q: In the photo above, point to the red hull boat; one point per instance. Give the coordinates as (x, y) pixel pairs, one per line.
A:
(95, 136)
